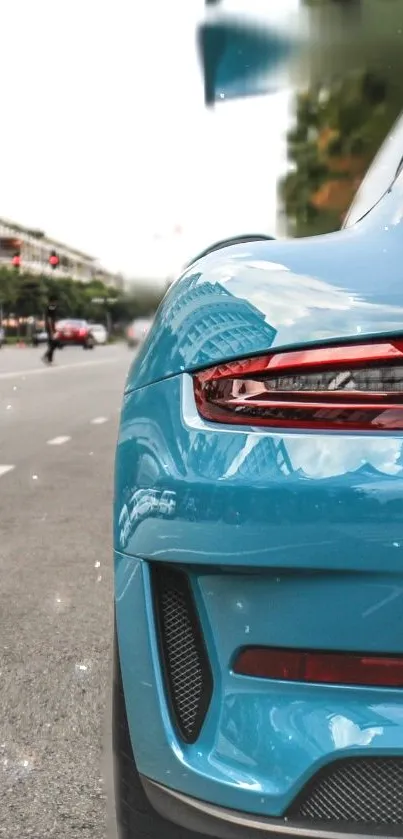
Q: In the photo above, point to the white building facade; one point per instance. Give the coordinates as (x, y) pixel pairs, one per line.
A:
(35, 248)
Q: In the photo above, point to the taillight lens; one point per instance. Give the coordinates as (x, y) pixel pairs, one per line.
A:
(322, 668)
(356, 387)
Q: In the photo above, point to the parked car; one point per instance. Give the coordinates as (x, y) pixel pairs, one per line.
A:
(39, 336)
(259, 625)
(99, 333)
(137, 331)
(73, 332)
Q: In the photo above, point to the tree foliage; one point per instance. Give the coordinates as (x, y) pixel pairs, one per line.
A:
(338, 129)
(26, 295)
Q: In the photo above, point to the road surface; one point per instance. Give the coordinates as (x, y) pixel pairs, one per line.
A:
(57, 435)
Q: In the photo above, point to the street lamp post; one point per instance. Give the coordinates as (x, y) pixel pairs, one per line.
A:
(105, 301)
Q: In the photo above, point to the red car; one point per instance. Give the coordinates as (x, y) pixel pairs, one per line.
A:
(74, 333)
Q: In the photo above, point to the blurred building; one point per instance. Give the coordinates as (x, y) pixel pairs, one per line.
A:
(35, 249)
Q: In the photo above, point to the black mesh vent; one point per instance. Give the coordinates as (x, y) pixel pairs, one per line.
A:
(183, 652)
(363, 790)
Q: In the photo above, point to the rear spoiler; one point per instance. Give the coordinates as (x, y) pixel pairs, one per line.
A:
(226, 243)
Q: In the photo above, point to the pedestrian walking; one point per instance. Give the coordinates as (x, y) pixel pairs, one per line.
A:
(50, 326)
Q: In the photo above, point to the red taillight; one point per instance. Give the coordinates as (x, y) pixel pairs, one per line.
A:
(82, 332)
(322, 668)
(357, 387)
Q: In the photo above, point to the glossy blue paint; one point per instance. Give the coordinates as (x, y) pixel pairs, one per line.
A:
(247, 298)
(261, 740)
(291, 540)
(188, 491)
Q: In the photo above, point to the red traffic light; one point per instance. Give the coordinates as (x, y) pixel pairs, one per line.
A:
(16, 261)
(54, 260)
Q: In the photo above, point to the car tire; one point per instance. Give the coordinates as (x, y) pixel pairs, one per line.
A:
(89, 344)
(136, 818)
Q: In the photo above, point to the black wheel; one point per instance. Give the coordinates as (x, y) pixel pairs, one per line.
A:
(89, 344)
(136, 819)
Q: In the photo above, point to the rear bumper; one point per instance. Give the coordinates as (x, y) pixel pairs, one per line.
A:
(261, 741)
(220, 823)
(289, 541)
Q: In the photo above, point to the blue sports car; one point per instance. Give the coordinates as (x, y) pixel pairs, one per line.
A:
(258, 537)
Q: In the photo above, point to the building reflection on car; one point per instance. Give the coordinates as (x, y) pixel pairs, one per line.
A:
(142, 504)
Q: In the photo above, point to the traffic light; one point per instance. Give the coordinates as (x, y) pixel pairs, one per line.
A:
(16, 261)
(53, 260)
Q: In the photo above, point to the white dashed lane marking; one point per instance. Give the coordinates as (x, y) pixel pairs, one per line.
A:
(58, 441)
(59, 368)
(4, 469)
(99, 420)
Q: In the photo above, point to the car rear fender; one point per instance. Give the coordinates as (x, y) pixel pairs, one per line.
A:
(248, 297)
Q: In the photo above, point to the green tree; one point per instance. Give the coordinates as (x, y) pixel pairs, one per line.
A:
(26, 295)
(339, 128)
(8, 287)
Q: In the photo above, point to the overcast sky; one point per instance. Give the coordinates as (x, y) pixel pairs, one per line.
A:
(105, 140)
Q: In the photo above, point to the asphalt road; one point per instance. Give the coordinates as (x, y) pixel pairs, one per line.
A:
(57, 436)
